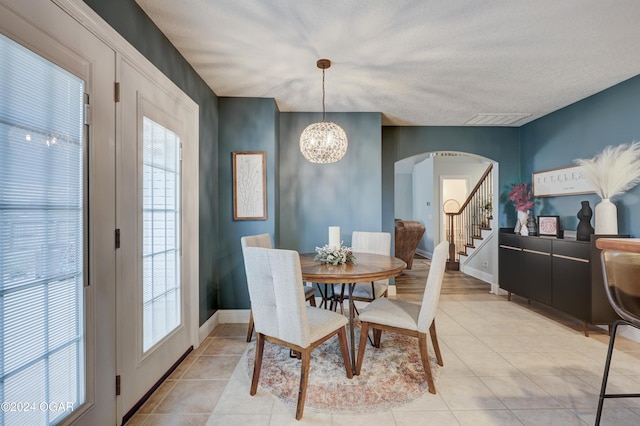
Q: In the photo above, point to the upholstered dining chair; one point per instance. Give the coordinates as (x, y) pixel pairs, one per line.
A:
(264, 241)
(621, 272)
(407, 318)
(367, 242)
(280, 316)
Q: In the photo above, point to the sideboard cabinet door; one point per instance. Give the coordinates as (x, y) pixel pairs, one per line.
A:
(509, 274)
(536, 269)
(571, 267)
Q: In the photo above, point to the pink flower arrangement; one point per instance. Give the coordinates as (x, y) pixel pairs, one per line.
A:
(521, 197)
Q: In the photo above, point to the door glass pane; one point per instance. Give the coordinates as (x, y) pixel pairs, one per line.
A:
(161, 240)
(42, 333)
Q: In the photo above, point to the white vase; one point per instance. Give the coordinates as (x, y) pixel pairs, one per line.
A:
(521, 223)
(606, 218)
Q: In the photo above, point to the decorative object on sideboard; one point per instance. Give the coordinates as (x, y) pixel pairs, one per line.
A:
(521, 196)
(614, 171)
(532, 225)
(523, 217)
(584, 231)
(324, 142)
(607, 218)
(549, 226)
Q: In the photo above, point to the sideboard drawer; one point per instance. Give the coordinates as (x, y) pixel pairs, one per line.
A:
(536, 244)
(572, 249)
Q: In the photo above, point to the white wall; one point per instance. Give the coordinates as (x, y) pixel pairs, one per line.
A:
(424, 201)
(483, 264)
(403, 196)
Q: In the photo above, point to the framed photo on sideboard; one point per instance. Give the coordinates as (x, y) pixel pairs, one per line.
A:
(549, 226)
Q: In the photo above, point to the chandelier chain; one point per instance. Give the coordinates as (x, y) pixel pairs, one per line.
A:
(323, 94)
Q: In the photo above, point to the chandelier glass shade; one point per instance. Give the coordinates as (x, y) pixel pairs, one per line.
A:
(324, 142)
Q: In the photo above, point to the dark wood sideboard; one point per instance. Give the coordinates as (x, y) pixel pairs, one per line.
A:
(563, 274)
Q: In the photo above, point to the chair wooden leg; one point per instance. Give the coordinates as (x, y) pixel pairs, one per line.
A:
(304, 380)
(364, 334)
(344, 349)
(257, 365)
(250, 331)
(434, 340)
(422, 342)
(377, 334)
(312, 301)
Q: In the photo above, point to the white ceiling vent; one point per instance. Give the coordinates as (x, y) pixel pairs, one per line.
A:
(495, 119)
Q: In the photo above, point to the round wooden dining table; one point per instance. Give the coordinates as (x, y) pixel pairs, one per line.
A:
(369, 267)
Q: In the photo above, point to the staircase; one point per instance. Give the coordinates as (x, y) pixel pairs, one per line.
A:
(471, 224)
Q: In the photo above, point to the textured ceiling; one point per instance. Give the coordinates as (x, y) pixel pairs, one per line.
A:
(422, 62)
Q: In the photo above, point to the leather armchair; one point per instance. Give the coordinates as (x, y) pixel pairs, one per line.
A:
(408, 235)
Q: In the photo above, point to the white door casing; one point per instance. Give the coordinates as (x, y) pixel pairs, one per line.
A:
(70, 34)
(143, 96)
(51, 33)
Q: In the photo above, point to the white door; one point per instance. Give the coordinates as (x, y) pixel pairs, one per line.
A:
(57, 218)
(157, 215)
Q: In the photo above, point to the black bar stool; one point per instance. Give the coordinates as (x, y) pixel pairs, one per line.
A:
(621, 272)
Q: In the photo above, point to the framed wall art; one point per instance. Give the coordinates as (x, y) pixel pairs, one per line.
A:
(549, 226)
(569, 180)
(250, 185)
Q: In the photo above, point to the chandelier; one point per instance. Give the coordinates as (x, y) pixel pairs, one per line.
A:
(323, 142)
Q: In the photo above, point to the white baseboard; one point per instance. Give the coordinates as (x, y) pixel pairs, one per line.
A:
(495, 289)
(630, 333)
(208, 326)
(391, 292)
(484, 276)
(424, 253)
(221, 316)
(231, 316)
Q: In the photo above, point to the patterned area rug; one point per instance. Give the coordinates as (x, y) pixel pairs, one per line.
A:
(391, 376)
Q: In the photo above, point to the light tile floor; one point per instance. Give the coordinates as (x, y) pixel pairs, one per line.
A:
(505, 363)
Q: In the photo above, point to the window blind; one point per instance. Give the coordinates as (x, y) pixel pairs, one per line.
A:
(161, 218)
(42, 333)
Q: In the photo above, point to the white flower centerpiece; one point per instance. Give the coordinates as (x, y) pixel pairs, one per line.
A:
(336, 255)
(613, 172)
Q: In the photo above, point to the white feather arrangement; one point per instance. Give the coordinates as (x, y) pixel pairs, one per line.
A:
(615, 170)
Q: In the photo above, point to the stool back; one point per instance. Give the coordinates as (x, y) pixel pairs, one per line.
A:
(622, 283)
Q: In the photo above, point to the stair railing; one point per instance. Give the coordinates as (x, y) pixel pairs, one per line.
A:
(467, 223)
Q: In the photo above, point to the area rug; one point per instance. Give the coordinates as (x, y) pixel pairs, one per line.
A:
(391, 375)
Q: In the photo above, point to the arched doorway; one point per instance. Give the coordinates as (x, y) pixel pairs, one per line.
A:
(422, 184)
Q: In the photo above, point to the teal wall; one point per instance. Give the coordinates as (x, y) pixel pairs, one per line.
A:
(126, 17)
(248, 124)
(304, 199)
(315, 196)
(501, 144)
(356, 193)
(582, 130)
